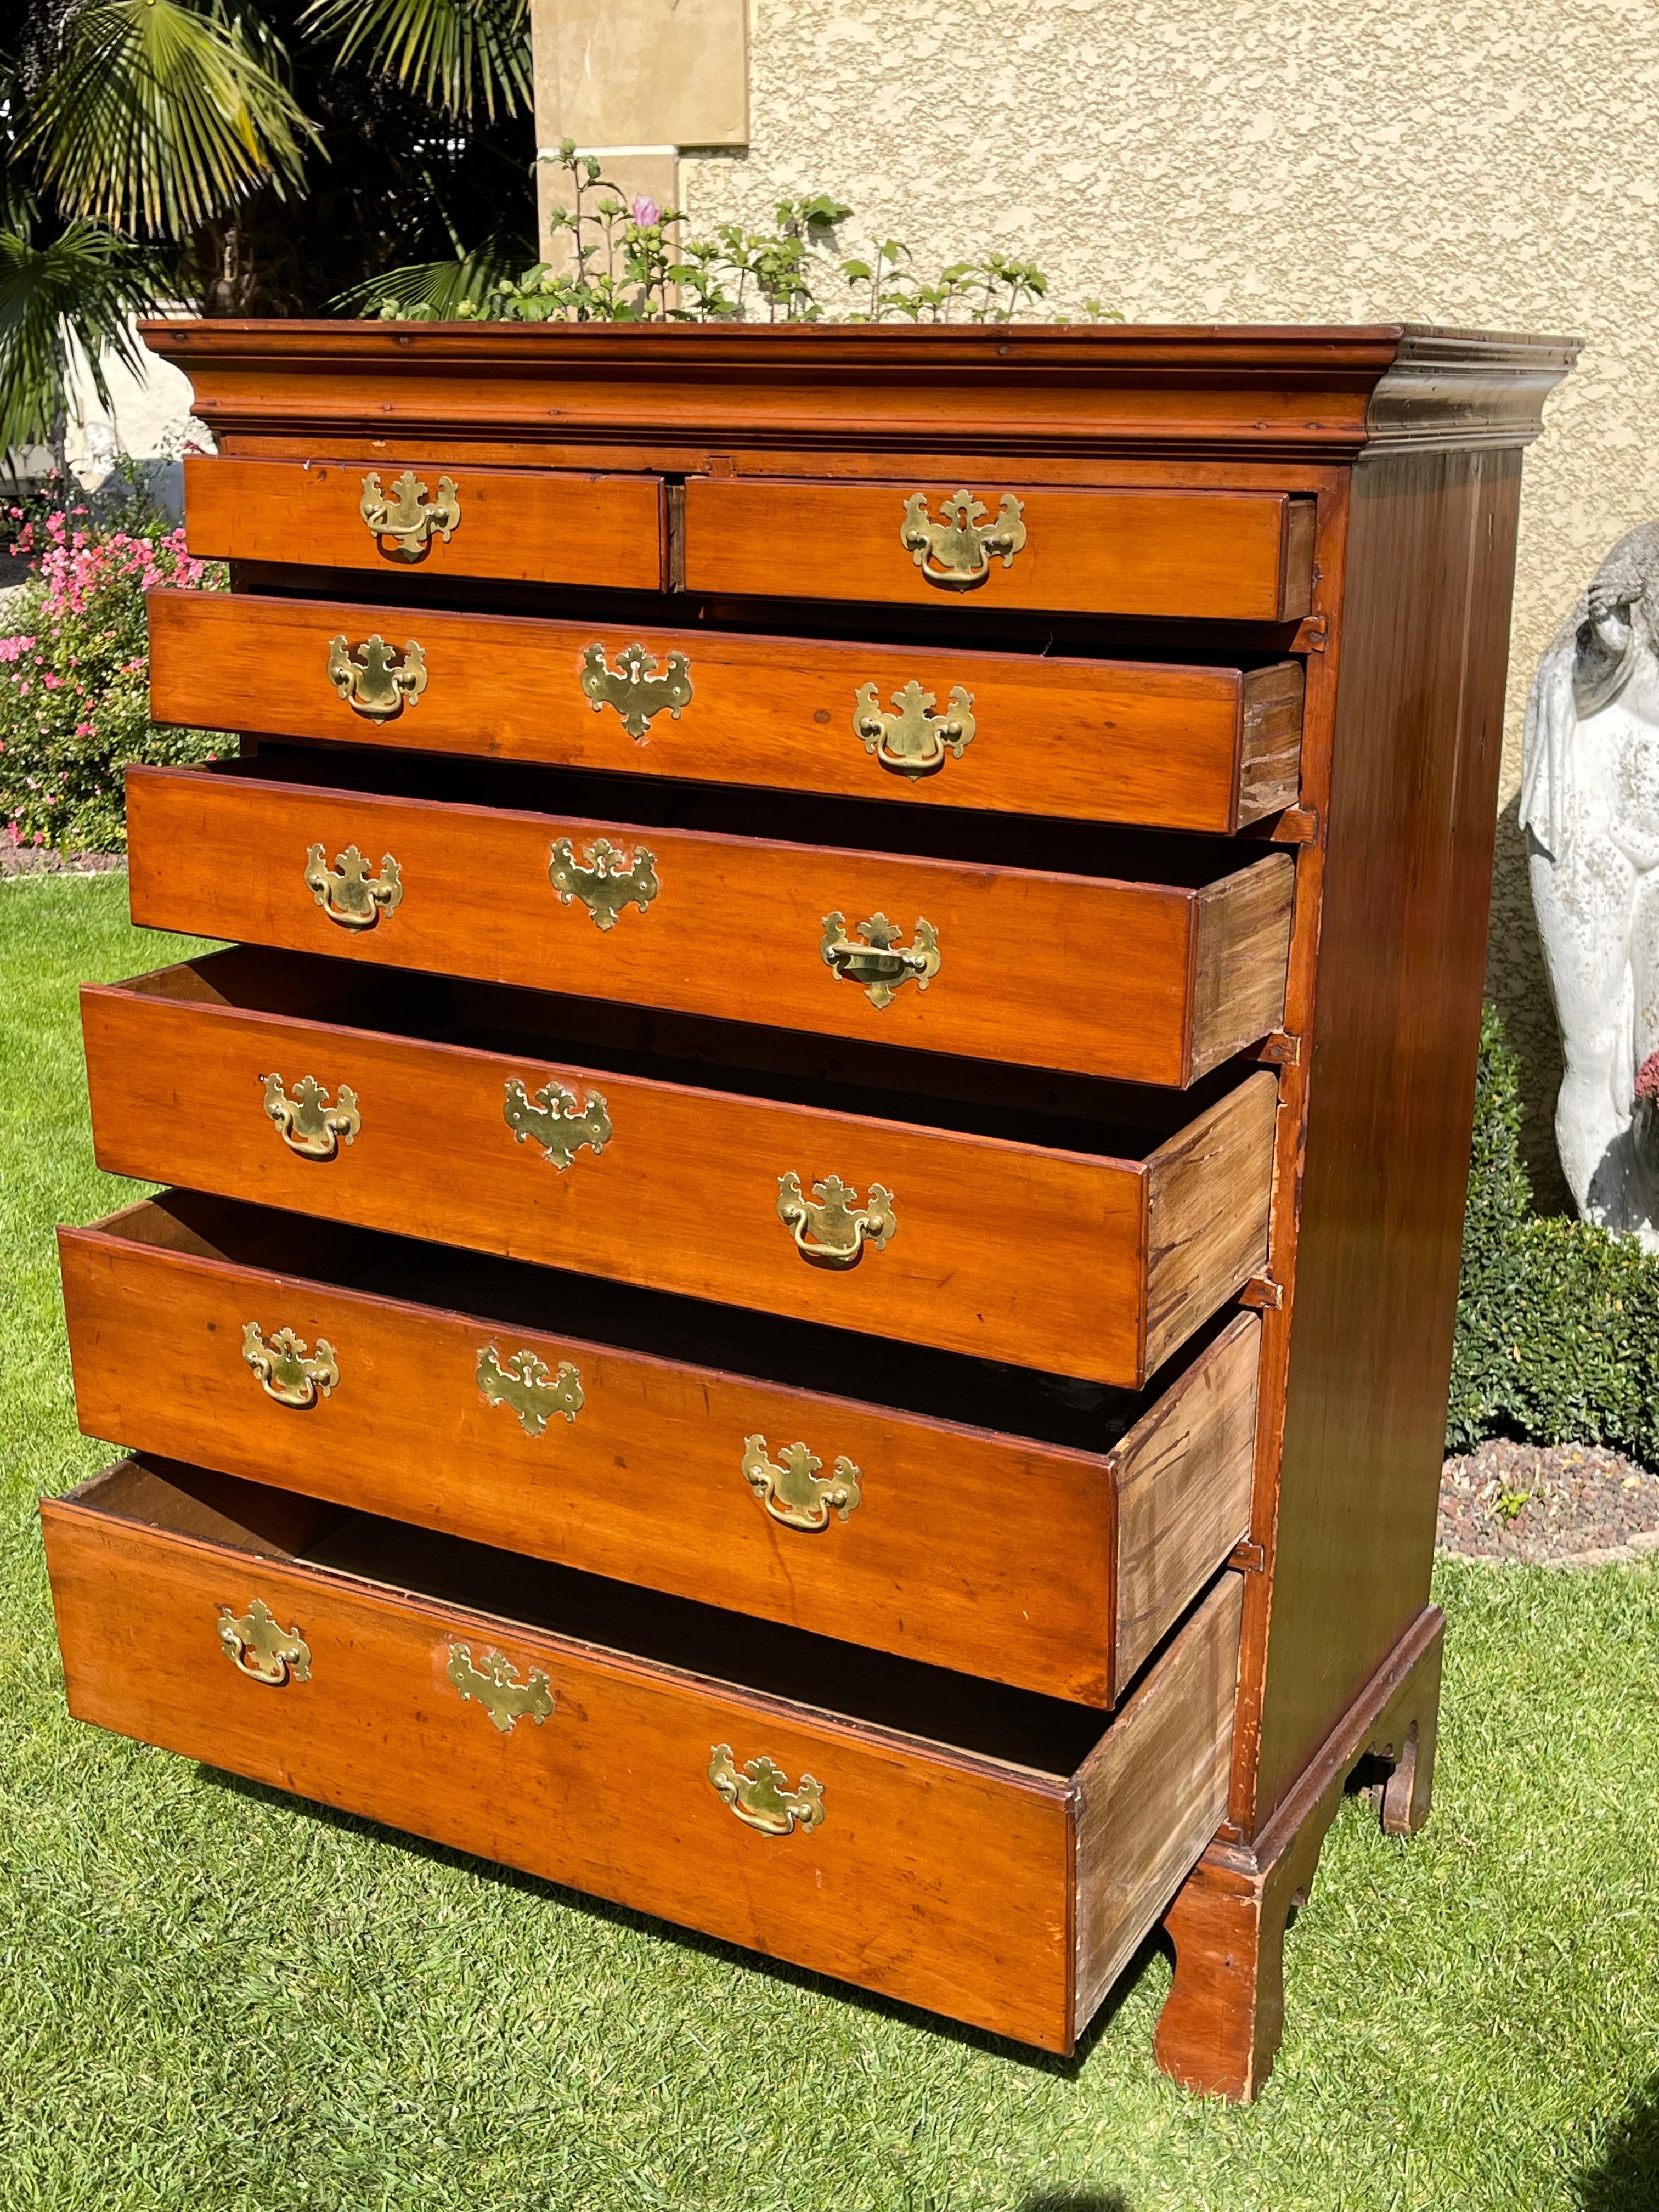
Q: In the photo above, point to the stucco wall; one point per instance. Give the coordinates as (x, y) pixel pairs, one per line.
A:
(1287, 161)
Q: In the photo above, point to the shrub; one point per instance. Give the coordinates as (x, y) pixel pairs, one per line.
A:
(74, 676)
(1558, 1321)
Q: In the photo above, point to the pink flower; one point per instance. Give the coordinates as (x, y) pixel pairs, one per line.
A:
(86, 730)
(52, 682)
(39, 838)
(646, 210)
(1647, 1080)
(14, 649)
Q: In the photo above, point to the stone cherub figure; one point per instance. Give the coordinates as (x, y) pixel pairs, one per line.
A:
(1589, 803)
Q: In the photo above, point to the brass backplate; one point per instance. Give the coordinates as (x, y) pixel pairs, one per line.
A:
(257, 1648)
(759, 1795)
(635, 689)
(375, 681)
(496, 1687)
(526, 1386)
(307, 1123)
(347, 892)
(286, 1371)
(403, 520)
(606, 881)
(913, 740)
(875, 959)
(829, 1229)
(956, 553)
(554, 1118)
(795, 1492)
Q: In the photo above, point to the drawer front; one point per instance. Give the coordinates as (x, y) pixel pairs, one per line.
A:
(941, 1878)
(1053, 1260)
(1210, 556)
(1181, 748)
(522, 526)
(908, 1534)
(999, 963)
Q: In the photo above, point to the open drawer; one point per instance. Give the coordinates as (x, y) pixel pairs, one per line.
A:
(1019, 1527)
(1144, 958)
(465, 1114)
(1178, 747)
(987, 1854)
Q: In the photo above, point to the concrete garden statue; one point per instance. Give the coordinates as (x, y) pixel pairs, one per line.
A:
(1589, 802)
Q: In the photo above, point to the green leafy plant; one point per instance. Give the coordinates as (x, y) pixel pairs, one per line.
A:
(74, 671)
(1558, 1321)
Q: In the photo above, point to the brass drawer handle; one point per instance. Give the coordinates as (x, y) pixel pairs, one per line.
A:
(404, 516)
(286, 1372)
(523, 1384)
(795, 1493)
(634, 687)
(558, 1123)
(758, 1795)
(912, 741)
(880, 964)
(841, 1230)
(497, 1688)
(606, 881)
(307, 1123)
(347, 893)
(381, 683)
(957, 553)
(258, 1648)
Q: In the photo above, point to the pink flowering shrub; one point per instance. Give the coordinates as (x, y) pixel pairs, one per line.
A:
(75, 681)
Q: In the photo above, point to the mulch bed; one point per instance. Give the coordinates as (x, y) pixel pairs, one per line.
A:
(1558, 1505)
(42, 860)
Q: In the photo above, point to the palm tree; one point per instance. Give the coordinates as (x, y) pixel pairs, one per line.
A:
(244, 156)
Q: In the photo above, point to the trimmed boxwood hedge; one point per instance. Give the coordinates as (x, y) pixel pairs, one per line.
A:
(1558, 1321)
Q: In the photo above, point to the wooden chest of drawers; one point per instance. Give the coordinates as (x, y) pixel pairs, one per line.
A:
(816, 1226)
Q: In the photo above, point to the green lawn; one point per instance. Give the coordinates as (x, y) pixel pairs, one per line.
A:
(213, 1999)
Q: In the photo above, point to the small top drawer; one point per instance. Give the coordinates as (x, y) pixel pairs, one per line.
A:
(1210, 556)
(523, 525)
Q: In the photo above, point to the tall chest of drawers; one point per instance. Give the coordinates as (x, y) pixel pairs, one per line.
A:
(815, 1223)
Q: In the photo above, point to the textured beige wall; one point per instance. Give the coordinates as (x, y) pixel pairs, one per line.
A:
(1286, 161)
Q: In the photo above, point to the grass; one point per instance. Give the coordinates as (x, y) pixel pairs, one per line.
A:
(212, 1998)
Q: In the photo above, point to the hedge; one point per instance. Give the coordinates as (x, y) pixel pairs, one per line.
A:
(1558, 1320)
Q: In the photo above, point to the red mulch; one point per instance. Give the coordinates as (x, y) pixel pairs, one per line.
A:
(1550, 1505)
(43, 860)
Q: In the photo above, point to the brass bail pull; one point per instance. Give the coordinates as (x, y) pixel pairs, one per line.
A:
(760, 1795)
(955, 554)
(795, 1493)
(307, 1123)
(375, 680)
(876, 961)
(831, 1229)
(347, 892)
(287, 1372)
(257, 1648)
(403, 521)
(913, 741)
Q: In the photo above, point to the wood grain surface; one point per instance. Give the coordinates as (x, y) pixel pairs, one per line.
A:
(737, 926)
(989, 1553)
(937, 1877)
(532, 526)
(1210, 556)
(1151, 1794)
(1185, 747)
(1043, 1252)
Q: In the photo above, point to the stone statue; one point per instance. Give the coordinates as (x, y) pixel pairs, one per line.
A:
(1590, 805)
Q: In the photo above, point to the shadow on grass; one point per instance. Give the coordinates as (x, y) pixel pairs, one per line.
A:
(1075, 2200)
(711, 1947)
(1625, 2178)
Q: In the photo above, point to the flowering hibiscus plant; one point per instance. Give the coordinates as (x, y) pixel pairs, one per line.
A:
(74, 674)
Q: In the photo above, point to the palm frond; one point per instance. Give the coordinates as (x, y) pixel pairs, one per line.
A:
(80, 288)
(452, 53)
(159, 115)
(435, 291)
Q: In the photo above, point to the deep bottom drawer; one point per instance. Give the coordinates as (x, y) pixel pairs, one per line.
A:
(981, 1852)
